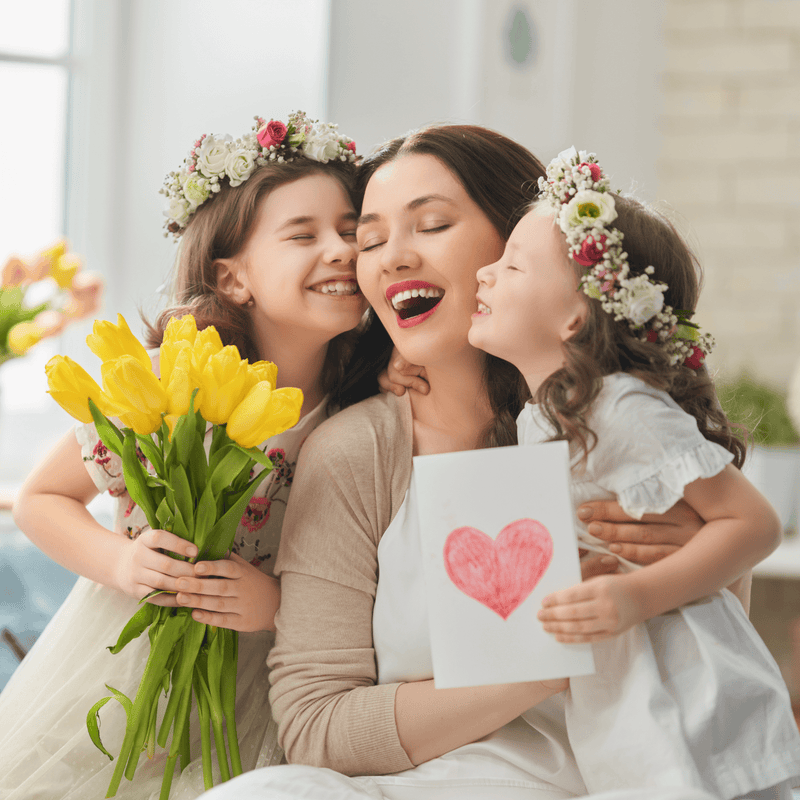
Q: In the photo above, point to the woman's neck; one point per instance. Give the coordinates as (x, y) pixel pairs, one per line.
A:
(300, 364)
(454, 414)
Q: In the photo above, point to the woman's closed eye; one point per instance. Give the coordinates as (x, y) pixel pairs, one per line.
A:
(435, 228)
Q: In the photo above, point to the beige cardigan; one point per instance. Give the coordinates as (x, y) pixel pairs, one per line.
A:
(352, 477)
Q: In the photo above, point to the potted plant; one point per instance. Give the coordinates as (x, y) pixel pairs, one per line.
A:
(773, 460)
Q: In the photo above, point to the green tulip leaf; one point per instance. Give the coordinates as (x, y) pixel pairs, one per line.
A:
(108, 432)
(257, 456)
(93, 717)
(135, 627)
(135, 481)
(183, 499)
(151, 452)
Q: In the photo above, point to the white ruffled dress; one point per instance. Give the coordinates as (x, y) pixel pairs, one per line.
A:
(691, 698)
(45, 749)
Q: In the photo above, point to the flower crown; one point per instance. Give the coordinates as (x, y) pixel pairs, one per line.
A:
(213, 158)
(579, 192)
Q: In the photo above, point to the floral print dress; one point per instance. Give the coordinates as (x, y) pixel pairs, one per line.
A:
(47, 752)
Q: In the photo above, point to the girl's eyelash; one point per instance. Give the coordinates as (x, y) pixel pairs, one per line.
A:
(369, 247)
(303, 236)
(347, 233)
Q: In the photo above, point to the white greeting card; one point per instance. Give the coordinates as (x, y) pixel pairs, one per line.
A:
(497, 536)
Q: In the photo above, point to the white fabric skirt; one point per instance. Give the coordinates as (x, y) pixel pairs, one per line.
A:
(46, 750)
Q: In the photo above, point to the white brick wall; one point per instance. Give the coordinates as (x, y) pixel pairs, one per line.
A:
(730, 166)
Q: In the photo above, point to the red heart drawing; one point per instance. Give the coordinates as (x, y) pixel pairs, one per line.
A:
(499, 573)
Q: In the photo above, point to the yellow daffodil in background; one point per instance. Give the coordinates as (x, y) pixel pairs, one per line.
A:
(189, 446)
(72, 387)
(109, 341)
(65, 294)
(263, 413)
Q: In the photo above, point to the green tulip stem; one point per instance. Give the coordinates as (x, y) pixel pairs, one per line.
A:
(201, 693)
(181, 724)
(185, 744)
(228, 695)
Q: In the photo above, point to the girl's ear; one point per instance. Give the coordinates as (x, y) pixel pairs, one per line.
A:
(577, 320)
(231, 281)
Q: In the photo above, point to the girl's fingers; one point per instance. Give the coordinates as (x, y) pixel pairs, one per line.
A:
(205, 602)
(164, 540)
(598, 565)
(575, 594)
(231, 621)
(581, 638)
(223, 568)
(573, 611)
(171, 567)
(644, 553)
(207, 587)
(575, 627)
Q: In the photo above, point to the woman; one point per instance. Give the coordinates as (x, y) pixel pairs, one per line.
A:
(352, 677)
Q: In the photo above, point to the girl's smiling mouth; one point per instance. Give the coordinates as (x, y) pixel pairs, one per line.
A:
(413, 301)
(336, 287)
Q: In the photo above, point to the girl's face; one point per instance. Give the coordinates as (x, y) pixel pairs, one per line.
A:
(299, 264)
(421, 240)
(529, 302)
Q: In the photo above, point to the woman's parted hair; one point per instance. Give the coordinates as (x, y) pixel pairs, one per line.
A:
(604, 346)
(220, 228)
(501, 177)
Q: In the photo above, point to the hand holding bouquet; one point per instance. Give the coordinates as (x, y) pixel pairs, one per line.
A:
(197, 494)
(67, 294)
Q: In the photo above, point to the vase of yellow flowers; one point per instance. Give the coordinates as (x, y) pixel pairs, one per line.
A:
(65, 294)
(194, 485)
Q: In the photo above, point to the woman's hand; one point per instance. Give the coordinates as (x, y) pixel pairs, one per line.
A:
(400, 375)
(642, 541)
(230, 593)
(596, 609)
(143, 567)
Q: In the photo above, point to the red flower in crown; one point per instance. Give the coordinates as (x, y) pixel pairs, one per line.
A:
(591, 251)
(351, 146)
(597, 173)
(696, 359)
(273, 133)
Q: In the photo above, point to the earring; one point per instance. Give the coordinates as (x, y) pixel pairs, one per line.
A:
(250, 303)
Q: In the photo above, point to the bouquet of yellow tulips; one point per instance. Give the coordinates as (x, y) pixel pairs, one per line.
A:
(70, 295)
(197, 493)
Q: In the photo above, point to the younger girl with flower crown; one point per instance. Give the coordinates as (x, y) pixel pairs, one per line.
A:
(592, 301)
(267, 257)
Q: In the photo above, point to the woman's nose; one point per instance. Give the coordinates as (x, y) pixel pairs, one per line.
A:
(396, 255)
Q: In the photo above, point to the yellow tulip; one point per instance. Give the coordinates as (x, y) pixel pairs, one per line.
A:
(137, 391)
(206, 344)
(223, 385)
(71, 387)
(109, 341)
(64, 269)
(264, 371)
(180, 329)
(264, 413)
(54, 251)
(23, 336)
(178, 380)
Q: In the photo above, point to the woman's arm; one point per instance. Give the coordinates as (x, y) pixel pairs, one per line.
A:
(51, 510)
(741, 529)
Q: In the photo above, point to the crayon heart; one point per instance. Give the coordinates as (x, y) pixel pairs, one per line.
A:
(499, 573)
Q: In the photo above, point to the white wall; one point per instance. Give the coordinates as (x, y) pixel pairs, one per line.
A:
(593, 79)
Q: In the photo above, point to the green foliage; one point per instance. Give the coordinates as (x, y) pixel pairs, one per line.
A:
(760, 408)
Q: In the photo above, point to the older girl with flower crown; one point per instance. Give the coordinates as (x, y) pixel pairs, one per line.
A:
(685, 693)
(267, 257)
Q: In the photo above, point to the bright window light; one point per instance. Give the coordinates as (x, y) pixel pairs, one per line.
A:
(36, 28)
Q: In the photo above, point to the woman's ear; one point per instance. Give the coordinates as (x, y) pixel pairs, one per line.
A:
(231, 281)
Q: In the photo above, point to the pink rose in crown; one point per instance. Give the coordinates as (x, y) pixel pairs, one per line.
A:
(594, 169)
(696, 359)
(351, 146)
(591, 251)
(273, 133)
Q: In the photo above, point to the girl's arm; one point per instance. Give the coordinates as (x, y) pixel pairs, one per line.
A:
(741, 529)
(51, 510)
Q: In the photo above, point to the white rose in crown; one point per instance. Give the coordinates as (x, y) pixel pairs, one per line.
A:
(212, 154)
(643, 302)
(196, 189)
(587, 207)
(322, 144)
(178, 210)
(238, 166)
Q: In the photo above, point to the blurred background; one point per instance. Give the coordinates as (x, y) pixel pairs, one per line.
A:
(692, 104)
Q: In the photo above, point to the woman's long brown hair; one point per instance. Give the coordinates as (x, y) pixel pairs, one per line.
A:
(501, 177)
(604, 346)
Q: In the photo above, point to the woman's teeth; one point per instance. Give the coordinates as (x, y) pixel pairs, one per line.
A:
(336, 287)
(403, 300)
(482, 309)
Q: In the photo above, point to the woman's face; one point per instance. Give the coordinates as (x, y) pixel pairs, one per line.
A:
(299, 263)
(422, 240)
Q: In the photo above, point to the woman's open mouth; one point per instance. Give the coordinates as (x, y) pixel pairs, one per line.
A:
(413, 301)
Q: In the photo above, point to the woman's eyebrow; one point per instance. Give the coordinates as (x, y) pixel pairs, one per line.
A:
(411, 206)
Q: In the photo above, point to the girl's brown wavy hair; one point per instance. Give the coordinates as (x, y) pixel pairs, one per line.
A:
(603, 346)
(501, 177)
(220, 228)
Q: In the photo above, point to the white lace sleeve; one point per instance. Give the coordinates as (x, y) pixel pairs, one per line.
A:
(648, 448)
(104, 467)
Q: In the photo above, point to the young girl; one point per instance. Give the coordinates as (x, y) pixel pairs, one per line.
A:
(689, 698)
(267, 256)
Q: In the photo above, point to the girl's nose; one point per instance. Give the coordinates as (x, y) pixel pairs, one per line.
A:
(486, 274)
(341, 250)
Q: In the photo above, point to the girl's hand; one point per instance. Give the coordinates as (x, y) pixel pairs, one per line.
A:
(231, 593)
(144, 566)
(400, 375)
(642, 541)
(596, 609)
